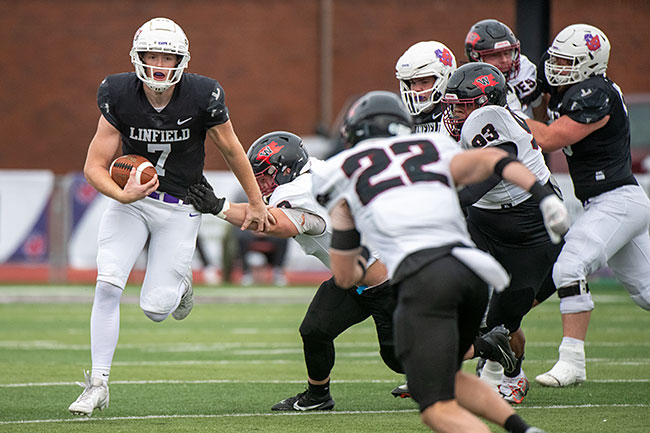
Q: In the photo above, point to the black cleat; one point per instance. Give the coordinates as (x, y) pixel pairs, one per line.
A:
(401, 391)
(497, 339)
(305, 401)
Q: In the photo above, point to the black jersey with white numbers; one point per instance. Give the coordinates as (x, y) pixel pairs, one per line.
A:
(172, 139)
(601, 161)
(430, 121)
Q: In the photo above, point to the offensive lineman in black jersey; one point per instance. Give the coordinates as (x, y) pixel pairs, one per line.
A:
(423, 72)
(164, 115)
(590, 124)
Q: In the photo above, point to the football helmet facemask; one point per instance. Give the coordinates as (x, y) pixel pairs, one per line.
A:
(492, 37)
(160, 35)
(424, 59)
(577, 53)
(277, 158)
(376, 114)
(473, 85)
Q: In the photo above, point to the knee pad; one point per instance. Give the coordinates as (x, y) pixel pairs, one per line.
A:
(575, 298)
(156, 317)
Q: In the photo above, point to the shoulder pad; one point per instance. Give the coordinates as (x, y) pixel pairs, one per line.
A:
(587, 102)
(105, 102)
(216, 106)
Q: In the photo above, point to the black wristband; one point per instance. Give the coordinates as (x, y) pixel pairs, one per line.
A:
(501, 164)
(538, 191)
(345, 239)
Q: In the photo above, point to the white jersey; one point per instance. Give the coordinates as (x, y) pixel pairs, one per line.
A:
(525, 84)
(400, 192)
(493, 125)
(296, 196)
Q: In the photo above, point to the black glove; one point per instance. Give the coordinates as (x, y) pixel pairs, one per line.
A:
(203, 199)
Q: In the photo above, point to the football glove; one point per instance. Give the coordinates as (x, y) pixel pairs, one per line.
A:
(203, 199)
(556, 217)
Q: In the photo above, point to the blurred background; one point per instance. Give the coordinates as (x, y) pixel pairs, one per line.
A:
(284, 64)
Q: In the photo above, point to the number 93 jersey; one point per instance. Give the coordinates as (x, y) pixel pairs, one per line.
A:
(399, 191)
(493, 125)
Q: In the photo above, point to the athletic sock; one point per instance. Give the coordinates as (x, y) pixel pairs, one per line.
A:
(515, 424)
(320, 390)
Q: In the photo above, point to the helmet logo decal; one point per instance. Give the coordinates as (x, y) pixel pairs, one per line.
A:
(472, 38)
(267, 151)
(593, 42)
(444, 56)
(484, 81)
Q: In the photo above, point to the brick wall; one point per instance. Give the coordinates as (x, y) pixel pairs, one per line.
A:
(265, 54)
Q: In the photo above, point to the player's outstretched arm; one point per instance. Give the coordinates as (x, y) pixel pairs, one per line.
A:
(228, 144)
(205, 201)
(477, 165)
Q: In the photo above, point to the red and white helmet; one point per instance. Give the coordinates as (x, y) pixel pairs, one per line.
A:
(585, 47)
(160, 35)
(424, 59)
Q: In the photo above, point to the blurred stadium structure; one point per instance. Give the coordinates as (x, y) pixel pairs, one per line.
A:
(284, 64)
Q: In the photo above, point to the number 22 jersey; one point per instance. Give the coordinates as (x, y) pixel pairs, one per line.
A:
(400, 192)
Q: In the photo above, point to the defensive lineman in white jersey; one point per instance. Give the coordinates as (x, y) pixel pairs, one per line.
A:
(282, 169)
(400, 193)
(503, 218)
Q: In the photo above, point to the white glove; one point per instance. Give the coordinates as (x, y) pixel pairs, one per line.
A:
(556, 217)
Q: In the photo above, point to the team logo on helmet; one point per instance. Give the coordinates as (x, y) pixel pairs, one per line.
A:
(593, 42)
(472, 38)
(485, 81)
(444, 56)
(267, 151)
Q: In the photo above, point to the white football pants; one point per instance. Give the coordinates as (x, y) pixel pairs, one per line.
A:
(612, 231)
(172, 230)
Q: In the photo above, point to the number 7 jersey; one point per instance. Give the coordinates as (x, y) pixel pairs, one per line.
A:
(400, 192)
(493, 125)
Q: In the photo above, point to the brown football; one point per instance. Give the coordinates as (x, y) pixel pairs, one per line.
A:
(121, 168)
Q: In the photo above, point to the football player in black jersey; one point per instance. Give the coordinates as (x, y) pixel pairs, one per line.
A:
(423, 72)
(164, 115)
(590, 124)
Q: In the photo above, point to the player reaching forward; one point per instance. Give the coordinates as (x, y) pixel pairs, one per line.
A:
(282, 169)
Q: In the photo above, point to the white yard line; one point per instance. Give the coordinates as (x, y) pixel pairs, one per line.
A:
(231, 381)
(332, 413)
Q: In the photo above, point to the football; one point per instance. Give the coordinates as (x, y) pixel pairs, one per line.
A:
(121, 168)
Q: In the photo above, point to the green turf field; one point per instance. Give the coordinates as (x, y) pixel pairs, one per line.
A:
(239, 352)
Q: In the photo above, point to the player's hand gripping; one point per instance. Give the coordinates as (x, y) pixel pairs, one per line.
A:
(556, 217)
(203, 199)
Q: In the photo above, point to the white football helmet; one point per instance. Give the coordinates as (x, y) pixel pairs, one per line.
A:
(424, 59)
(160, 35)
(585, 47)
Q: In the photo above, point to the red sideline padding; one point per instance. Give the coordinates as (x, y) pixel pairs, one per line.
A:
(17, 273)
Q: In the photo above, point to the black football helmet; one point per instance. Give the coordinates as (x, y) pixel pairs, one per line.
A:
(277, 158)
(376, 114)
(491, 37)
(472, 85)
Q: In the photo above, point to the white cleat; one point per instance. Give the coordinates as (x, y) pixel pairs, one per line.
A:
(94, 396)
(187, 300)
(562, 374)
